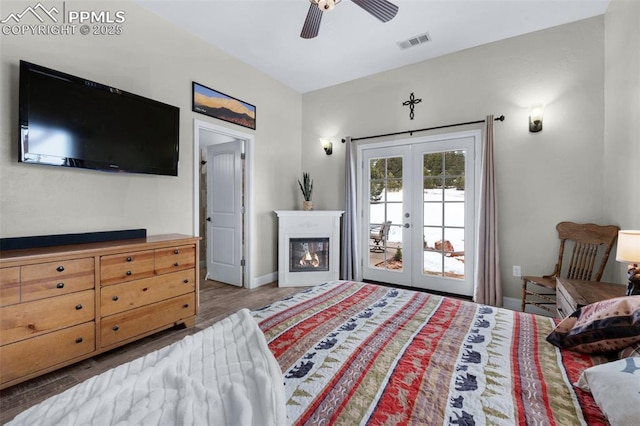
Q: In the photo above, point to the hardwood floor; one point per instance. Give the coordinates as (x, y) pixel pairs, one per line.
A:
(217, 300)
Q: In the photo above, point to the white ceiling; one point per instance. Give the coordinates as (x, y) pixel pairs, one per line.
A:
(351, 43)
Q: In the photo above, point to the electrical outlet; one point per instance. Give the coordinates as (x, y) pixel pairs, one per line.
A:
(516, 271)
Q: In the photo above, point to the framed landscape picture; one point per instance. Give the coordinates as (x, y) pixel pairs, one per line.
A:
(223, 107)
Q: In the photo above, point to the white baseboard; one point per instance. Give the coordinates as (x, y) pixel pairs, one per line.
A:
(263, 280)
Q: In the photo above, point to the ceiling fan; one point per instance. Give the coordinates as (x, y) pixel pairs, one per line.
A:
(381, 9)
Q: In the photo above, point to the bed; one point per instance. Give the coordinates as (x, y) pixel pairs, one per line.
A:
(347, 353)
(352, 351)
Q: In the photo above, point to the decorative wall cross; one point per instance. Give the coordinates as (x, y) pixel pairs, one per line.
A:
(411, 102)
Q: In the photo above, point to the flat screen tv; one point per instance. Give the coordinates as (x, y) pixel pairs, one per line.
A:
(73, 122)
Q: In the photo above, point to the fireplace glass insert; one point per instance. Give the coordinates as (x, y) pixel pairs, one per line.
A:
(308, 254)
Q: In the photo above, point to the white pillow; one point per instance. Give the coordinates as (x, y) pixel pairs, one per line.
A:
(615, 387)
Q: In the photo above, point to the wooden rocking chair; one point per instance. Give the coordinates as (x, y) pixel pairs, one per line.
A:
(590, 242)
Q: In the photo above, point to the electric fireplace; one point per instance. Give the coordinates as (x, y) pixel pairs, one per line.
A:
(308, 254)
(308, 247)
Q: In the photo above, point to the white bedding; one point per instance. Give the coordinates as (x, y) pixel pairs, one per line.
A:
(223, 375)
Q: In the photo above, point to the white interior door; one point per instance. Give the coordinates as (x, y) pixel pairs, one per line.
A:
(424, 192)
(225, 212)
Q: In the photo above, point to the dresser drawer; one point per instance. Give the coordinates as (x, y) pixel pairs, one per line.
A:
(56, 278)
(121, 297)
(120, 327)
(175, 259)
(126, 267)
(26, 320)
(9, 286)
(32, 355)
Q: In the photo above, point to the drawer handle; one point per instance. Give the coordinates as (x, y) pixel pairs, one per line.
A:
(60, 268)
(186, 305)
(116, 328)
(186, 281)
(176, 264)
(79, 340)
(176, 251)
(128, 273)
(78, 306)
(114, 298)
(60, 285)
(129, 259)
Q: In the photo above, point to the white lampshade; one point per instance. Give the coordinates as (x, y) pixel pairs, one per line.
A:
(628, 247)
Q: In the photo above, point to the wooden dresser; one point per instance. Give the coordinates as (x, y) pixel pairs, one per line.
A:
(63, 304)
(574, 294)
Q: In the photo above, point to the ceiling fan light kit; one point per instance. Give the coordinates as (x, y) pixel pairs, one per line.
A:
(383, 10)
(326, 5)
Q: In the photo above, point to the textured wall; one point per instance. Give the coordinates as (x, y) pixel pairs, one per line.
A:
(622, 118)
(543, 178)
(153, 59)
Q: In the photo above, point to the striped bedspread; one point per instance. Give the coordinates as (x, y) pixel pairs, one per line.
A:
(354, 353)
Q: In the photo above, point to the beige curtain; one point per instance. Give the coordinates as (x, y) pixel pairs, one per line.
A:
(488, 286)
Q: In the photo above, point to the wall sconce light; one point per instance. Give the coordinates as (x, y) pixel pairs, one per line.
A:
(535, 118)
(327, 145)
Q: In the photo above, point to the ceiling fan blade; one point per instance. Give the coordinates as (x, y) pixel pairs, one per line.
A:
(381, 9)
(312, 23)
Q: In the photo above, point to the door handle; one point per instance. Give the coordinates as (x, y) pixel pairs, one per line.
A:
(208, 219)
(406, 225)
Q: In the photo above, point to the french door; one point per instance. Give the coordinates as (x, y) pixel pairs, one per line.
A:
(417, 201)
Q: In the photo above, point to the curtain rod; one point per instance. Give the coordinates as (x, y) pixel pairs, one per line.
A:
(411, 132)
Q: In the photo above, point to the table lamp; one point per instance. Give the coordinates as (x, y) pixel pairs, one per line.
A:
(629, 251)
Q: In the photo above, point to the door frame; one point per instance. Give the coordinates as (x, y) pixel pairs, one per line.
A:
(361, 204)
(226, 135)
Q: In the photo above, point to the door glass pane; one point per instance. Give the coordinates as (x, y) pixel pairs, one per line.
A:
(433, 164)
(433, 213)
(385, 213)
(454, 256)
(433, 257)
(443, 209)
(454, 213)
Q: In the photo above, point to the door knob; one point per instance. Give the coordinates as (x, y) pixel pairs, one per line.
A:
(208, 219)
(406, 225)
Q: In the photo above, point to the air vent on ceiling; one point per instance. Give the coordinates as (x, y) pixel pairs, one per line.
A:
(414, 41)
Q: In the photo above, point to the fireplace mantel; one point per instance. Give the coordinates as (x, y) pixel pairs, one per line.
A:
(308, 247)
